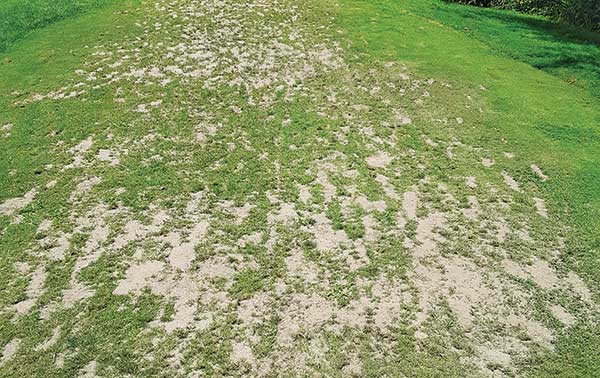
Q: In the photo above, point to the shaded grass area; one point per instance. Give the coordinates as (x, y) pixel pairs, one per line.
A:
(20, 17)
(564, 51)
(528, 110)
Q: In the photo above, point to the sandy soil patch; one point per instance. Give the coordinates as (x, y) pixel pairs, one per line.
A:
(410, 202)
(13, 205)
(325, 236)
(33, 292)
(540, 207)
(510, 182)
(561, 314)
(381, 159)
(537, 170)
(10, 350)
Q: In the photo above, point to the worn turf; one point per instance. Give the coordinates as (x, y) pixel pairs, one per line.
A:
(285, 188)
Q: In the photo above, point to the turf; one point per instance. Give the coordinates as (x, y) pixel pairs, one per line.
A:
(531, 108)
(380, 156)
(19, 18)
(548, 119)
(564, 51)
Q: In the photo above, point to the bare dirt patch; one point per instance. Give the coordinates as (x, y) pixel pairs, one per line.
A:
(537, 170)
(380, 160)
(13, 205)
(510, 182)
(325, 236)
(10, 350)
(33, 292)
(540, 207)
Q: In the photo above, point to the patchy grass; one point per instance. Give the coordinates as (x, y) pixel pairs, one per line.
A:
(355, 183)
(544, 118)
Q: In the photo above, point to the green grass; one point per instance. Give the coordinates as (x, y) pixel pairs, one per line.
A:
(564, 51)
(18, 18)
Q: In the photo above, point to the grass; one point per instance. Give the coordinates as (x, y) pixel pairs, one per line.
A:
(490, 77)
(564, 51)
(543, 116)
(18, 18)
(546, 118)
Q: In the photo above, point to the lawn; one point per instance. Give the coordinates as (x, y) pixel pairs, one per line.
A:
(270, 188)
(18, 18)
(561, 50)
